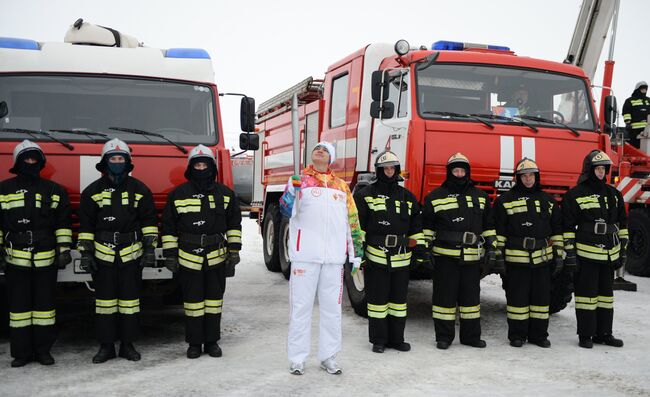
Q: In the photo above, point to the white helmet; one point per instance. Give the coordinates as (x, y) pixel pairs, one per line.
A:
(114, 146)
(640, 84)
(198, 152)
(24, 147)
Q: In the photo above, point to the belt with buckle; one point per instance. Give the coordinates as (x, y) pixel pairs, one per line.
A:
(28, 237)
(464, 238)
(202, 240)
(599, 228)
(388, 240)
(527, 243)
(118, 238)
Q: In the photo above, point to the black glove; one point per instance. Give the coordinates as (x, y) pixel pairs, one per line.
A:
(87, 262)
(3, 264)
(423, 258)
(171, 263)
(622, 260)
(231, 261)
(64, 257)
(558, 261)
(571, 262)
(499, 262)
(149, 255)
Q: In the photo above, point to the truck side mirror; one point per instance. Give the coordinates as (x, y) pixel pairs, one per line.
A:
(4, 109)
(382, 110)
(247, 114)
(248, 141)
(377, 85)
(610, 110)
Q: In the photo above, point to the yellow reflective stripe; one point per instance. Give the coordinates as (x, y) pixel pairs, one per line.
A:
(105, 306)
(86, 236)
(125, 198)
(20, 315)
(444, 313)
(518, 317)
(217, 256)
(102, 199)
(623, 233)
(149, 230)
(605, 302)
(627, 117)
(169, 241)
(446, 251)
(586, 303)
(428, 234)
(194, 309)
(190, 261)
(188, 205)
(377, 311)
(226, 201)
(397, 309)
(569, 235)
(375, 251)
(138, 196)
(63, 236)
(639, 124)
(539, 316)
(213, 306)
(513, 204)
(597, 253)
(442, 201)
(44, 318)
(1, 237)
(470, 312)
(45, 258)
(445, 207)
(518, 312)
(233, 236)
(489, 233)
(128, 306)
(103, 249)
(516, 210)
(19, 320)
(401, 260)
(587, 206)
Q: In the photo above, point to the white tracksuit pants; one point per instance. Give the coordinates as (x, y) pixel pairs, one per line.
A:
(307, 280)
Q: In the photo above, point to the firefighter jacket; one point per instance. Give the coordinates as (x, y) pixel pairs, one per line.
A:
(324, 226)
(528, 224)
(636, 110)
(200, 227)
(389, 216)
(594, 216)
(34, 220)
(457, 222)
(116, 218)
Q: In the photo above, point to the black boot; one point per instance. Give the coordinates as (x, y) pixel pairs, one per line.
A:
(20, 362)
(402, 346)
(545, 343)
(213, 349)
(44, 358)
(479, 343)
(608, 340)
(378, 348)
(106, 352)
(194, 351)
(516, 343)
(442, 345)
(586, 342)
(127, 350)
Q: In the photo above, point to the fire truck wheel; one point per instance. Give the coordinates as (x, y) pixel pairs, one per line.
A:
(270, 239)
(638, 249)
(561, 292)
(356, 290)
(283, 247)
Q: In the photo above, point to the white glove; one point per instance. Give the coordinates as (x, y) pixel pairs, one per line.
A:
(356, 265)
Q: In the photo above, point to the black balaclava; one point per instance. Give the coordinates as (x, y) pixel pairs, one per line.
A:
(588, 175)
(118, 171)
(522, 188)
(638, 94)
(202, 179)
(382, 178)
(26, 170)
(458, 184)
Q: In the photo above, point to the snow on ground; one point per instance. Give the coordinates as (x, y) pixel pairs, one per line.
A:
(254, 331)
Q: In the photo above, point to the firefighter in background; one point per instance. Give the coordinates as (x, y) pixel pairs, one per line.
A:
(117, 238)
(35, 235)
(457, 221)
(389, 215)
(595, 228)
(635, 112)
(323, 232)
(202, 233)
(529, 227)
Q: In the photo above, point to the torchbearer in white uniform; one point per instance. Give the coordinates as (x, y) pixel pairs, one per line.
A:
(324, 232)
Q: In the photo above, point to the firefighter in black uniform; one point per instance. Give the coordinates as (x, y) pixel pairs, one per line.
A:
(117, 238)
(595, 228)
(390, 219)
(529, 227)
(202, 233)
(635, 112)
(35, 235)
(457, 220)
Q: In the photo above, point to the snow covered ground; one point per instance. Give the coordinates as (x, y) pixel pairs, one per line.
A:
(254, 343)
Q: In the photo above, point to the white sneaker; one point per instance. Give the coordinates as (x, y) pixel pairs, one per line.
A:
(331, 366)
(297, 368)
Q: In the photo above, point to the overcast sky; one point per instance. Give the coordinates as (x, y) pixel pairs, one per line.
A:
(262, 47)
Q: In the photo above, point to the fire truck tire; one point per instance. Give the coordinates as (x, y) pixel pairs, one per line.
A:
(638, 249)
(270, 238)
(561, 292)
(283, 242)
(356, 291)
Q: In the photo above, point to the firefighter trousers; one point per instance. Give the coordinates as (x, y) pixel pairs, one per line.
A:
(117, 300)
(308, 280)
(386, 292)
(528, 293)
(31, 294)
(456, 284)
(594, 295)
(202, 300)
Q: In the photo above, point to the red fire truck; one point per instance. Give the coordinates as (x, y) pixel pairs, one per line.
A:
(71, 97)
(425, 103)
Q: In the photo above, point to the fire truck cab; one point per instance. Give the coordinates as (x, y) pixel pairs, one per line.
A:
(425, 103)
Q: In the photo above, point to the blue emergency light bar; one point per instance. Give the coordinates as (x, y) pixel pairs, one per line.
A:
(190, 53)
(460, 46)
(18, 44)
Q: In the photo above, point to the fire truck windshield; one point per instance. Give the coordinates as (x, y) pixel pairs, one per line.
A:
(503, 92)
(181, 112)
